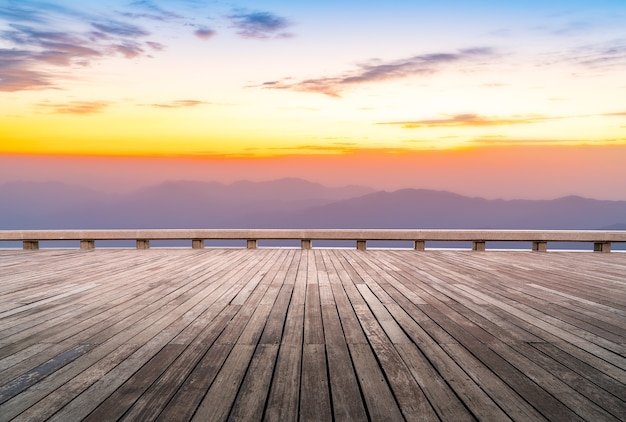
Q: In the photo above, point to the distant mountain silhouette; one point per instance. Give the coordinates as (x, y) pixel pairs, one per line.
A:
(289, 203)
(419, 208)
(173, 204)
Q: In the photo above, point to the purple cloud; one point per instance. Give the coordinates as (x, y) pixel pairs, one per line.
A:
(129, 49)
(38, 47)
(377, 71)
(18, 74)
(155, 45)
(204, 33)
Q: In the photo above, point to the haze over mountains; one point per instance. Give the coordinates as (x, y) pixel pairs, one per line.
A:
(289, 203)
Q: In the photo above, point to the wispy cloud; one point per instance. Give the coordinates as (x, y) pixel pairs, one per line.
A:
(121, 29)
(476, 120)
(259, 25)
(75, 107)
(155, 45)
(204, 33)
(129, 49)
(611, 54)
(484, 141)
(598, 57)
(470, 120)
(40, 37)
(17, 72)
(180, 104)
(149, 10)
(40, 51)
(378, 71)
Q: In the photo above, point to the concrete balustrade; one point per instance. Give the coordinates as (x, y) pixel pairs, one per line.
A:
(601, 240)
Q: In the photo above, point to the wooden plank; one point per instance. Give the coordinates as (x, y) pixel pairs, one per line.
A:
(313, 328)
(108, 383)
(284, 397)
(283, 401)
(566, 394)
(97, 314)
(478, 399)
(440, 395)
(21, 383)
(583, 370)
(59, 397)
(218, 401)
(557, 331)
(542, 400)
(125, 396)
(155, 398)
(380, 402)
(252, 395)
(346, 397)
(190, 394)
(349, 322)
(314, 389)
(273, 331)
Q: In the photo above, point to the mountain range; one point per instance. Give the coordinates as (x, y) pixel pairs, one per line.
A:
(289, 203)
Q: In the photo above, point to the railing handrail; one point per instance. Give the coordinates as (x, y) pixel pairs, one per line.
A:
(602, 239)
(320, 234)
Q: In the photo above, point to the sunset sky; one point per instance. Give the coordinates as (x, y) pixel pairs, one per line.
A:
(497, 99)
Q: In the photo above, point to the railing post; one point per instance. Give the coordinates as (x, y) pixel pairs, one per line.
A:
(251, 244)
(419, 245)
(602, 247)
(197, 243)
(87, 244)
(306, 244)
(540, 246)
(143, 244)
(478, 245)
(361, 245)
(30, 245)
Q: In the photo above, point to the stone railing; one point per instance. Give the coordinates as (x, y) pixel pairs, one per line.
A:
(601, 239)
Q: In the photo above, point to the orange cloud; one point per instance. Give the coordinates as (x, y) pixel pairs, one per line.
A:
(472, 120)
(180, 104)
(476, 120)
(75, 107)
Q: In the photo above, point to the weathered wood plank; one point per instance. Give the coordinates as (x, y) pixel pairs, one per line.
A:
(314, 391)
(125, 396)
(379, 399)
(346, 397)
(216, 405)
(252, 395)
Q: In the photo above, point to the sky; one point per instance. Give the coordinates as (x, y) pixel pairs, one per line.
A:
(516, 99)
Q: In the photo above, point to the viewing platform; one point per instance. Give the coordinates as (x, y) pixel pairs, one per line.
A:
(306, 333)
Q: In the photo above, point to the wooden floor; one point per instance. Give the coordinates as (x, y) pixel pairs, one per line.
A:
(285, 334)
